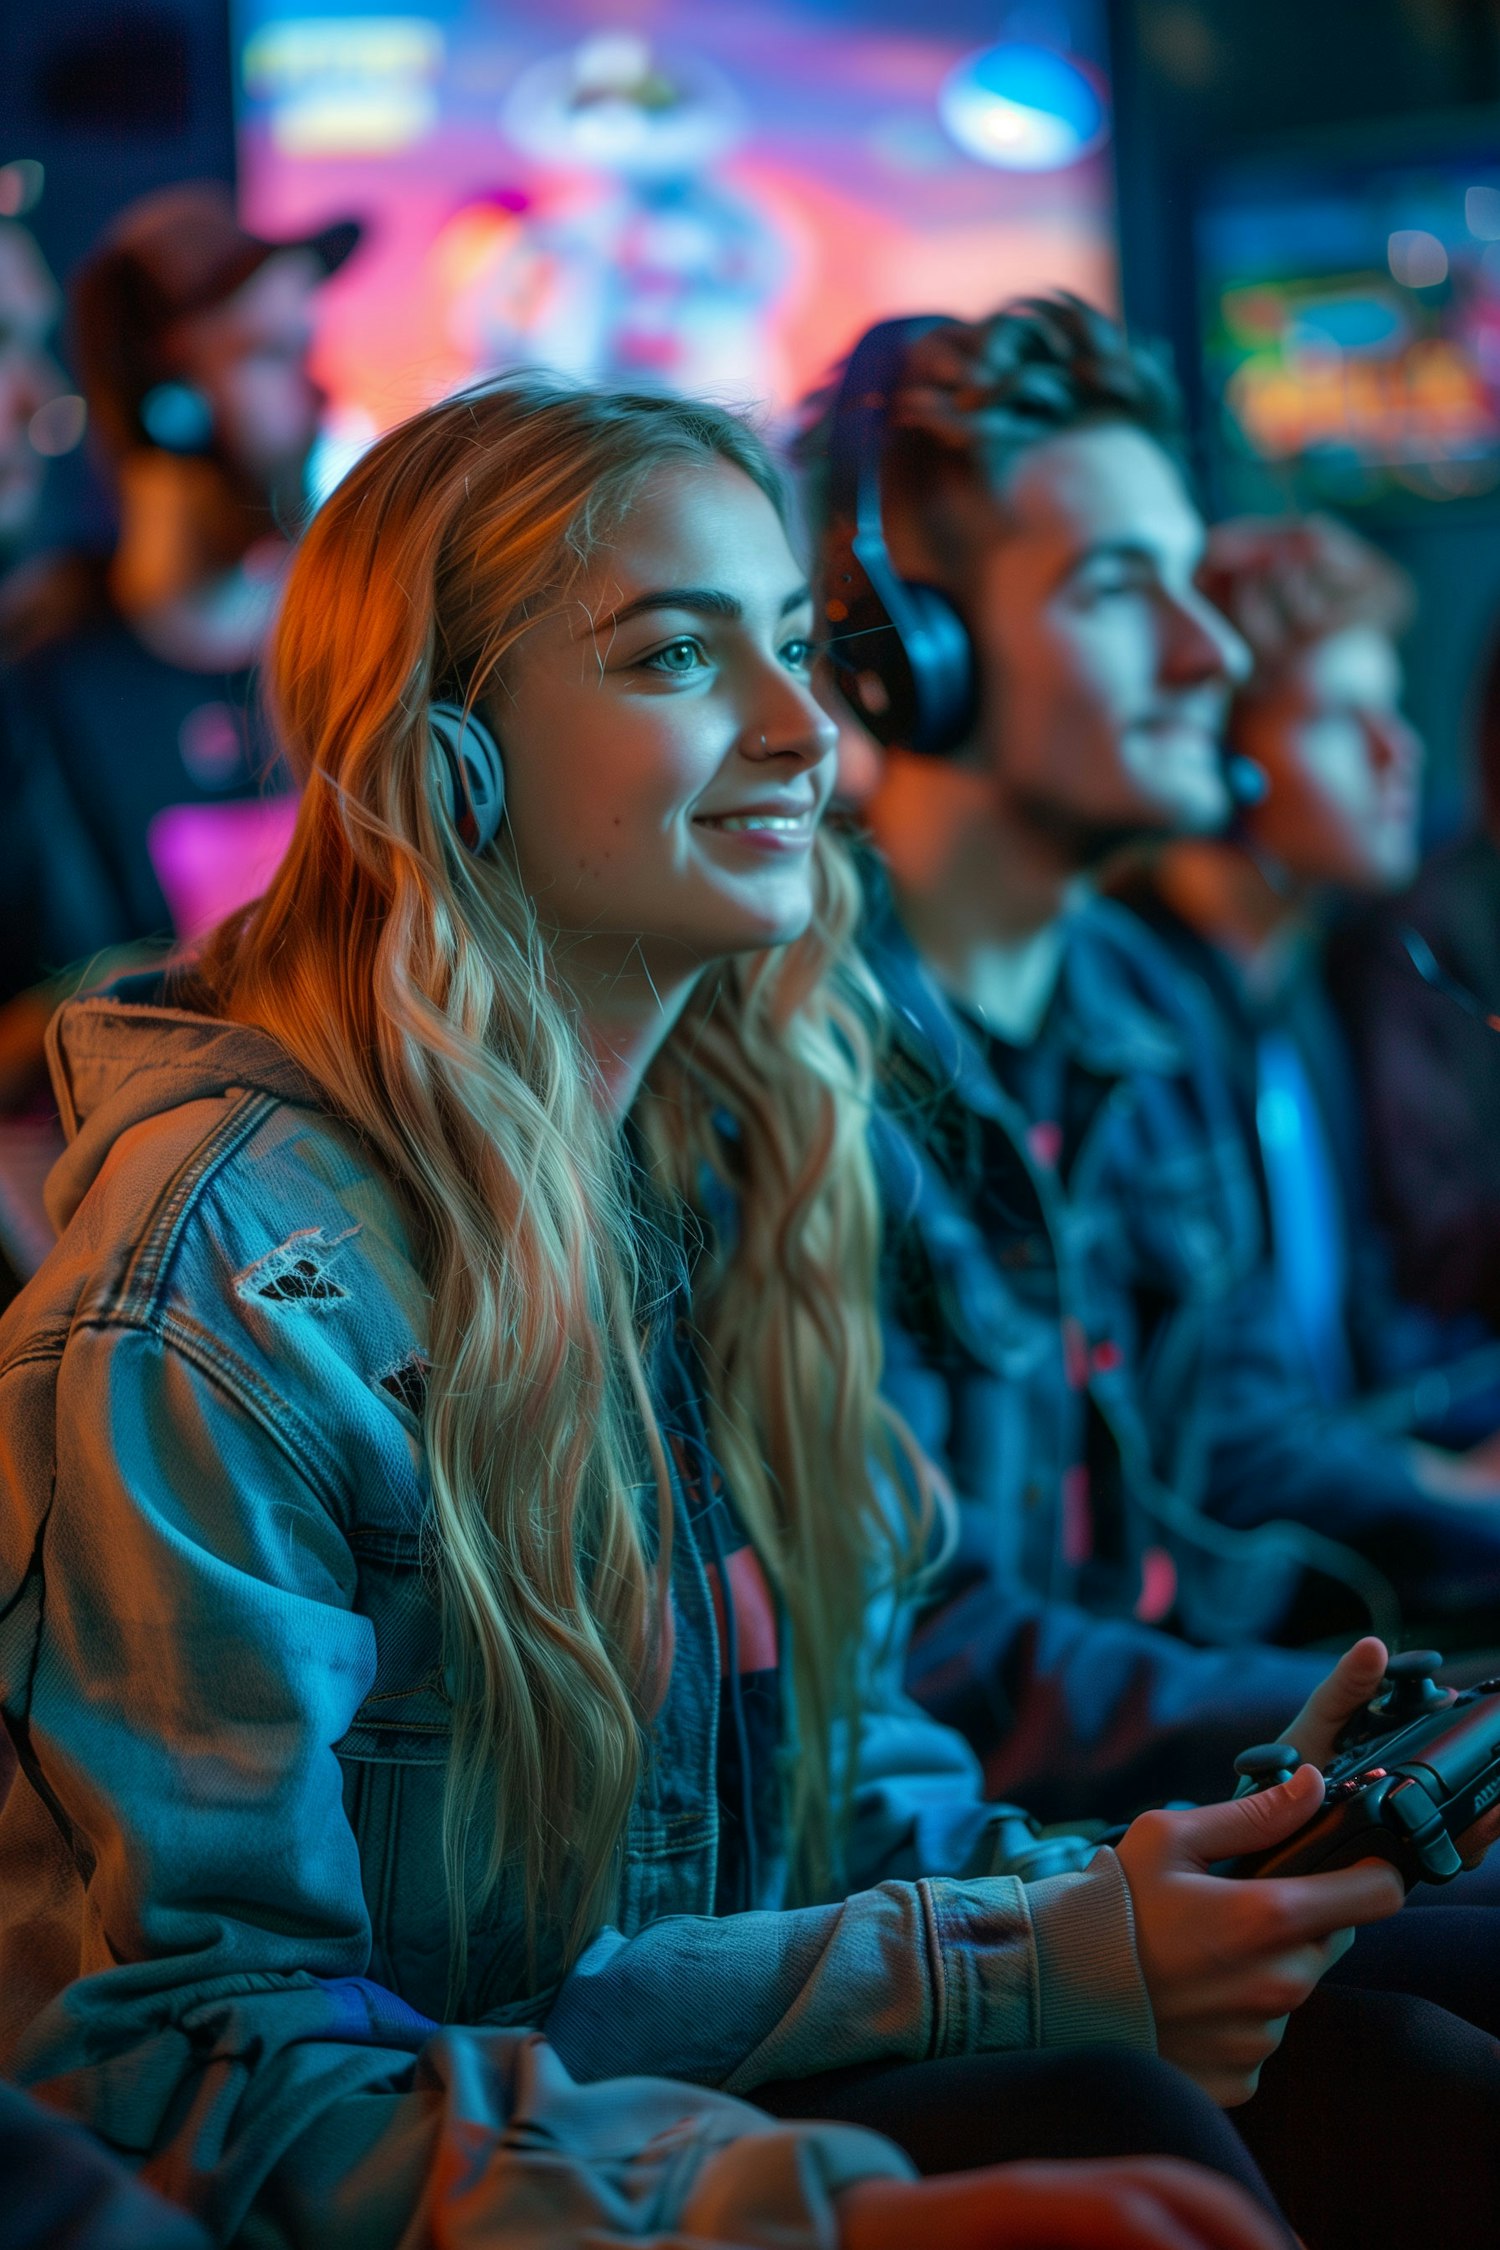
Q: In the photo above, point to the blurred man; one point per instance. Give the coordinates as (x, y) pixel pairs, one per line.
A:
(1085, 1327)
(130, 691)
(1320, 722)
(1429, 1062)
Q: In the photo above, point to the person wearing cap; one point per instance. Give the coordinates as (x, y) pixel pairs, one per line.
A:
(128, 697)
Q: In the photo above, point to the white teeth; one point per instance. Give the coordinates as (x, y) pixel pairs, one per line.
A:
(783, 823)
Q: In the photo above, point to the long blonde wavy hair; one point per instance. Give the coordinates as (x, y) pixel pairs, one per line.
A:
(413, 982)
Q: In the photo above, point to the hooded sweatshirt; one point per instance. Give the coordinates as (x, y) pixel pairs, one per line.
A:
(225, 1941)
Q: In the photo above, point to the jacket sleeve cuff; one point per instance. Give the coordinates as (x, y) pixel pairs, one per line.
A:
(779, 2188)
(1090, 1988)
(1045, 1964)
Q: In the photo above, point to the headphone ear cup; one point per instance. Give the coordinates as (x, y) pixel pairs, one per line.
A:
(900, 650)
(472, 771)
(940, 658)
(905, 665)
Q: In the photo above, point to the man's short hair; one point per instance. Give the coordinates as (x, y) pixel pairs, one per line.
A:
(976, 394)
(1288, 582)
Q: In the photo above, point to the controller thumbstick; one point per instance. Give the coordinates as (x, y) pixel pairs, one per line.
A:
(1414, 1664)
(1409, 1690)
(1266, 1766)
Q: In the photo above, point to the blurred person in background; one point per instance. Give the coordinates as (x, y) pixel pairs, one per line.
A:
(128, 694)
(29, 378)
(1085, 1329)
(1428, 1061)
(1319, 721)
(30, 383)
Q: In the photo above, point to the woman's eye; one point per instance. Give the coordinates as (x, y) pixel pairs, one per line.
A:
(677, 657)
(799, 655)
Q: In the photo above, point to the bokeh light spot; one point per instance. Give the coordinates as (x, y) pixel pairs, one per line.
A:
(57, 426)
(1022, 108)
(1417, 259)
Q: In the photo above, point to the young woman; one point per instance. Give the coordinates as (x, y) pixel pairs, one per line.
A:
(446, 1509)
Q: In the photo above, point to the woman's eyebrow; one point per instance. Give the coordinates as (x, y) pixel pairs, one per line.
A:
(701, 601)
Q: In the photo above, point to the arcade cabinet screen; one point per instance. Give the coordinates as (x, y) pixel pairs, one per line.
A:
(714, 197)
(1352, 332)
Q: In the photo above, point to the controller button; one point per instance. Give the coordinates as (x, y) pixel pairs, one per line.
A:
(1412, 1812)
(1266, 1765)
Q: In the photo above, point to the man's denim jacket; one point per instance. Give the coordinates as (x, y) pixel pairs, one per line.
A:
(1118, 1326)
(225, 1939)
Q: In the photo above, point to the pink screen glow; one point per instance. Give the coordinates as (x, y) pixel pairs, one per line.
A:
(719, 198)
(210, 859)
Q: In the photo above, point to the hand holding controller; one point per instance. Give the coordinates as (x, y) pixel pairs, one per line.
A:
(1414, 1779)
(1226, 1963)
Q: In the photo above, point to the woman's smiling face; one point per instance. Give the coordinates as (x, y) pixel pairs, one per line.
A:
(666, 763)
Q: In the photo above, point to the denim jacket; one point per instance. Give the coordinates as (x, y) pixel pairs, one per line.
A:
(1095, 1359)
(1408, 1367)
(226, 1943)
(1199, 1412)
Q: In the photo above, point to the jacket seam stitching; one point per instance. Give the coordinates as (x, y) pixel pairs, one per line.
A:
(242, 1387)
(937, 2044)
(149, 1262)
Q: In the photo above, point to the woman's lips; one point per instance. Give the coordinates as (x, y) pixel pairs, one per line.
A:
(764, 831)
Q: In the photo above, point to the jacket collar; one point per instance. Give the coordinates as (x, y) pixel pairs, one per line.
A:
(137, 1049)
(1098, 1012)
(929, 1033)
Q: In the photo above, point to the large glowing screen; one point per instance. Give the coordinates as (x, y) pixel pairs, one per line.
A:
(1352, 329)
(709, 195)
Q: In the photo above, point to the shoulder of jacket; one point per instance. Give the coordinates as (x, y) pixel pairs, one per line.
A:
(192, 1200)
(254, 1239)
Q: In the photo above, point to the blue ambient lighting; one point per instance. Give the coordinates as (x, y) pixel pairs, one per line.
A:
(1023, 108)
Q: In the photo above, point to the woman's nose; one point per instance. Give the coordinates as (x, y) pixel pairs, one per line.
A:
(793, 725)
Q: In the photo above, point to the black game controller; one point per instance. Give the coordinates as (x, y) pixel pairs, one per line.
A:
(1412, 1771)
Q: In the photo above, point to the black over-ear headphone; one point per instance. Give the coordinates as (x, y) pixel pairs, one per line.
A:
(472, 770)
(900, 651)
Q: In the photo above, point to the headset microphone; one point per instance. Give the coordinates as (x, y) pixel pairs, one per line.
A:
(178, 417)
(1248, 784)
(473, 772)
(900, 651)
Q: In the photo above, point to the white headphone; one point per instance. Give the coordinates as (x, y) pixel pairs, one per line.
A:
(474, 772)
